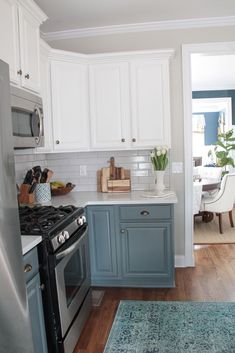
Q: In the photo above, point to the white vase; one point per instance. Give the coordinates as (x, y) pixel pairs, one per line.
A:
(159, 180)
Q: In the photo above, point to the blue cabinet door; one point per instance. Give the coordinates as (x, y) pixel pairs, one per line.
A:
(36, 315)
(102, 240)
(147, 253)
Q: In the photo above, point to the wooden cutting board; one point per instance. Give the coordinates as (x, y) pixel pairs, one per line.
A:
(105, 175)
(113, 179)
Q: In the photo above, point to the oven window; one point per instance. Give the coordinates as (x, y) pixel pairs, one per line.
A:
(74, 274)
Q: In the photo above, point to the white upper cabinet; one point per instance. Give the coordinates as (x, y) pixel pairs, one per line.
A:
(110, 101)
(30, 56)
(9, 37)
(19, 38)
(150, 103)
(109, 105)
(70, 106)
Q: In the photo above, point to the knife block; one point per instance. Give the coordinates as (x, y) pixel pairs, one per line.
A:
(24, 196)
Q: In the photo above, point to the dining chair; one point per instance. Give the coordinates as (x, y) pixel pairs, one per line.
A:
(223, 201)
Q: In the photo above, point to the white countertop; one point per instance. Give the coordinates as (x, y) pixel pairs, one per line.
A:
(82, 199)
(29, 242)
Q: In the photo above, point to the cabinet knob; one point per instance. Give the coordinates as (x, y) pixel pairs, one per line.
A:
(57, 142)
(122, 231)
(134, 139)
(27, 76)
(123, 140)
(144, 213)
(27, 268)
(19, 72)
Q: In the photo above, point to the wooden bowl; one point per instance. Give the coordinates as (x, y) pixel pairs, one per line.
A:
(62, 191)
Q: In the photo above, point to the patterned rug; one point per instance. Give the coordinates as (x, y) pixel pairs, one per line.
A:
(173, 327)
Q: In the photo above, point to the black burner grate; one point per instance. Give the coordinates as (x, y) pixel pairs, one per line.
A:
(43, 219)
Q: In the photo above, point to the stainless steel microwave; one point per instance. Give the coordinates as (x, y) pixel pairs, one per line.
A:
(27, 119)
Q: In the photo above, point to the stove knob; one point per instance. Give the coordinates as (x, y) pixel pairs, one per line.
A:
(65, 234)
(61, 238)
(84, 219)
(80, 221)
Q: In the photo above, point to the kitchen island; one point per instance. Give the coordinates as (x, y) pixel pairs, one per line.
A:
(131, 237)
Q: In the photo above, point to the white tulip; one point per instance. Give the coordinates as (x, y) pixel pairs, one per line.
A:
(164, 151)
(152, 154)
(159, 153)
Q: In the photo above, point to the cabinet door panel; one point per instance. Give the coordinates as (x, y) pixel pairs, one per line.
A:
(109, 105)
(146, 250)
(9, 37)
(30, 58)
(69, 106)
(150, 103)
(36, 315)
(102, 242)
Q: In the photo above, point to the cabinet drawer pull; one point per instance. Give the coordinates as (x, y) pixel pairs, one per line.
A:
(27, 268)
(122, 231)
(27, 76)
(123, 140)
(57, 142)
(19, 72)
(134, 139)
(144, 213)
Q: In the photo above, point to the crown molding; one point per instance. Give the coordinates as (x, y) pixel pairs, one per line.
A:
(34, 10)
(140, 27)
(62, 55)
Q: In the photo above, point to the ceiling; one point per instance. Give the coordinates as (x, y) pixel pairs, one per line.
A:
(212, 72)
(73, 14)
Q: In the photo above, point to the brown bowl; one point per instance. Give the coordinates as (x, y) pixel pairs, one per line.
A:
(62, 191)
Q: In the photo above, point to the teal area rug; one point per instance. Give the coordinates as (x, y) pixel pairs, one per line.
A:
(172, 327)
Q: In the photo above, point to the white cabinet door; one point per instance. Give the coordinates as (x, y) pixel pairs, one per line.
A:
(70, 106)
(29, 43)
(150, 103)
(9, 37)
(109, 105)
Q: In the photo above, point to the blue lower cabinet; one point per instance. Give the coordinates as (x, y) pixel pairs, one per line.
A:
(131, 245)
(147, 254)
(36, 315)
(34, 297)
(102, 242)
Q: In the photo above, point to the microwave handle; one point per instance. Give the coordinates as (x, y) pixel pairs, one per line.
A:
(38, 110)
(74, 246)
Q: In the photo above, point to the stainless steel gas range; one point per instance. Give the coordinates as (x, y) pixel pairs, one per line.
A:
(64, 270)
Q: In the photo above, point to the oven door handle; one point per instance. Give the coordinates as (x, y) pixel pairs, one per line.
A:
(74, 246)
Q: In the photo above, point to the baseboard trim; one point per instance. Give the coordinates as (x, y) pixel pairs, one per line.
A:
(180, 261)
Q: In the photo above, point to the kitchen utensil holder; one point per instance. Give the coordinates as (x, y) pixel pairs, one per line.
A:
(24, 196)
(43, 193)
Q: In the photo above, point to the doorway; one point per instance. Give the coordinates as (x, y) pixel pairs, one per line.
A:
(187, 52)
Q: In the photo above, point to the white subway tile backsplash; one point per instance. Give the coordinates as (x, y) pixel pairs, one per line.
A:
(66, 167)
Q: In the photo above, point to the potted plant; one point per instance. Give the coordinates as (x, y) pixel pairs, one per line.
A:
(223, 148)
(159, 159)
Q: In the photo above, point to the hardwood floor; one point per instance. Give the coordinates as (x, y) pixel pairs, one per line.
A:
(213, 279)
